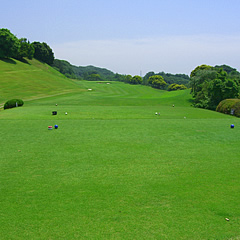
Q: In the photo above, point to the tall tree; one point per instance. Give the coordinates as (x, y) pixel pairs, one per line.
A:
(157, 81)
(136, 80)
(210, 85)
(147, 76)
(128, 78)
(198, 68)
(50, 54)
(199, 79)
(26, 49)
(119, 77)
(43, 53)
(9, 44)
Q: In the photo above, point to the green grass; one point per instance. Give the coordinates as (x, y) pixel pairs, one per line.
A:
(115, 170)
(32, 80)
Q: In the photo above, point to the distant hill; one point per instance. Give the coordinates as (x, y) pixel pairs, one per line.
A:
(93, 73)
(31, 80)
(86, 73)
(169, 78)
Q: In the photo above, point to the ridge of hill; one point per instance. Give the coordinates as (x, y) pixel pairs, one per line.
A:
(82, 72)
(93, 73)
(31, 80)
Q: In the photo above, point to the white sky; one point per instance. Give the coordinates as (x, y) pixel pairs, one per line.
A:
(131, 36)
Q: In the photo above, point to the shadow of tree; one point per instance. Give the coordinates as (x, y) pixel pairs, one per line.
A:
(8, 60)
(23, 60)
(12, 61)
(191, 100)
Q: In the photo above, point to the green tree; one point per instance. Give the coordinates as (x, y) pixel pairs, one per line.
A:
(50, 55)
(215, 93)
(175, 86)
(147, 76)
(65, 68)
(26, 49)
(201, 67)
(226, 68)
(128, 78)
(43, 52)
(136, 80)
(119, 77)
(94, 77)
(169, 78)
(9, 44)
(211, 85)
(200, 78)
(230, 89)
(157, 81)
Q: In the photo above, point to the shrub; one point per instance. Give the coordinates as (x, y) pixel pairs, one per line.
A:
(229, 106)
(175, 86)
(157, 81)
(13, 103)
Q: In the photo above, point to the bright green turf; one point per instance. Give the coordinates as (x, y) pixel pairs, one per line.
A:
(115, 170)
(32, 80)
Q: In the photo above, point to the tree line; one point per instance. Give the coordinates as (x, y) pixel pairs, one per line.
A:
(171, 82)
(209, 85)
(12, 47)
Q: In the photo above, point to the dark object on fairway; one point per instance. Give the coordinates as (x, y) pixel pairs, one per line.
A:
(13, 103)
(232, 125)
(56, 126)
(54, 113)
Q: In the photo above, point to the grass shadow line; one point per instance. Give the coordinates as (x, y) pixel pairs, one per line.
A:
(8, 60)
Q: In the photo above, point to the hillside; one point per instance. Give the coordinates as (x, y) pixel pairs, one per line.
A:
(81, 72)
(31, 80)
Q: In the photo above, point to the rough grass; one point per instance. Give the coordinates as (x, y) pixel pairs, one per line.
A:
(115, 170)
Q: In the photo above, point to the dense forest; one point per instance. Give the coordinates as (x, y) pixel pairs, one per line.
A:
(209, 85)
(169, 78)
(12, 47)
(90, 73)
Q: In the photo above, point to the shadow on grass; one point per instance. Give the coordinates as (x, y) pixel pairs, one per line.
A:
(8, 60)
(191, 101)
(12, 61)
(23, 60)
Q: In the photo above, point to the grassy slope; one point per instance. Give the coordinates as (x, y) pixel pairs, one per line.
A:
(115, 170)
(32, 80)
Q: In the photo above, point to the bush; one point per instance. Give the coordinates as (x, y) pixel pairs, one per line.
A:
(13, 103)
(175, 86)
(229, 106)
